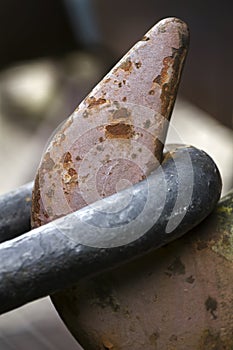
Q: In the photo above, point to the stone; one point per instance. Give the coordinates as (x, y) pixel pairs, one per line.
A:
(116, 135)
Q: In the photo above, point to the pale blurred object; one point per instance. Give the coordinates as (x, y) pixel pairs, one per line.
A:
(191, 125)
(34, 99)
(35, 326)
(27, 90)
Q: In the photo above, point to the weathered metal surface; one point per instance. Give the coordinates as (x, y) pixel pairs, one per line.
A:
(179, 297)
(15, 208)
(54, 256)
(118, 131)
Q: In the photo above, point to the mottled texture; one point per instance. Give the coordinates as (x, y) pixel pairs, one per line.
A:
(116, 135)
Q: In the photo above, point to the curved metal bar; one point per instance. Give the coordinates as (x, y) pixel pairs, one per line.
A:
(52, 257)
(15, 209)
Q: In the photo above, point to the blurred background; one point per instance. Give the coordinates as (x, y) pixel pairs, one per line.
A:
(54, 52)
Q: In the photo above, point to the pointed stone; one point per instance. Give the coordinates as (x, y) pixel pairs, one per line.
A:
(115, 137)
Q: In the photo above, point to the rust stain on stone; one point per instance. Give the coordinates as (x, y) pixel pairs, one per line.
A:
(106, 81)
(138, 64)
(158, 148)
(67, 158)
(67, 124)
(72, 172)
(37, 208)
(164, 76)
(119, 130)
(151, 92)
(169, 79)
(145, 38)
(92, 101)
(127, 66)
(60, 138)
(36, 202)
(108, 345)
(70, 176)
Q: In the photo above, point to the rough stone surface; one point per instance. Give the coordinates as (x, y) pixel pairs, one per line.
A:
(116, 135)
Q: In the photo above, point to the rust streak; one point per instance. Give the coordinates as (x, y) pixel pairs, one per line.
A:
(106, 81)
(145, 38)
(119, 130)
(127, 66)
(72, 172)
(164, 76)
(92, 101)
(37, 207)
(67, 158)
(169, 79)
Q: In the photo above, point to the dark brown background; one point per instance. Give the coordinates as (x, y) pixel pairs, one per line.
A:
(40, 27)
